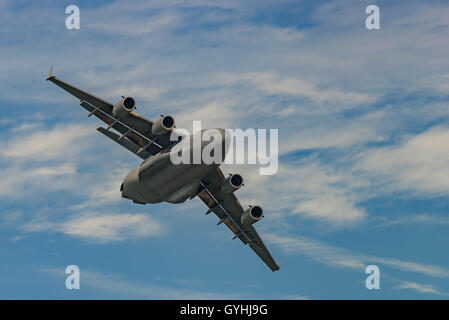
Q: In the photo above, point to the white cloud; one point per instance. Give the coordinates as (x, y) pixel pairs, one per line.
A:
(112, 227)
(426, 269)
(289, 34)
(419, 163)
(117, 284)
(102, 227)
(103, 192)
(305, 188)
(37, 160)
(342, 258)
(134, 26)
(142, 93)
(20, 181)
(15, 239)
(215, 114)
(419, 219)
(318, 251)
(229, 76)
(272, 83)
(56, 142)
(27, 126)
(334, 208)
(342, 134)
(421, 288)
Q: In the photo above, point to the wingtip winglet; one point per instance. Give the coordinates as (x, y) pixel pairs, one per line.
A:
(50, 73)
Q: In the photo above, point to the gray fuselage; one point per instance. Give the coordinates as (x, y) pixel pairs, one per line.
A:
(158, 179)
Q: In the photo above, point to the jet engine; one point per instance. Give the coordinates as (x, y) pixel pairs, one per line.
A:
(253, 214)
(232, 183)
(123, 107)
(163, 125)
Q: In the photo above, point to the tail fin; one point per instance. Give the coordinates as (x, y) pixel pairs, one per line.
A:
(50, 73)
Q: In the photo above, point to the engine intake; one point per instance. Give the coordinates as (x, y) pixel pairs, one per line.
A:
(163, 125)
(253, 214)
(232, 183)
(123, 107)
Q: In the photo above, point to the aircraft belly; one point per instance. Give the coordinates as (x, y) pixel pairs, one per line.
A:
(175, 183)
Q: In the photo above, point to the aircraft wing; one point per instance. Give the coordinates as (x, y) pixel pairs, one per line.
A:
(135, 130)
(229, 210)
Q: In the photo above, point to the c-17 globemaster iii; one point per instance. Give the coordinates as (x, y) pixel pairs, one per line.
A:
(158, 179)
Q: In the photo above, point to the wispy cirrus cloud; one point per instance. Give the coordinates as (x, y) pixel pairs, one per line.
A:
(271, 83)
(20, 181)
(45, 144)
(418, 219)
(306, 189)
(115, 284)
(342, 258)
(135, 27)
(34, 157)
(421, 288)
(417, 164)
(334, 89)
(104, 192)
(101, 228)
(306, 91)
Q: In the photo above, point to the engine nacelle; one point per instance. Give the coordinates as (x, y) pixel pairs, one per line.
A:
(232, 183)
(163, 125)
(253, 214)
(123, 107)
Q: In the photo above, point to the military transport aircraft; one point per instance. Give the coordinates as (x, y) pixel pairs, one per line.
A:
(158, 179)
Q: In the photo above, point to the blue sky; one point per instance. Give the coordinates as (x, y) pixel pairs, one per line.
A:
(363, 119)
